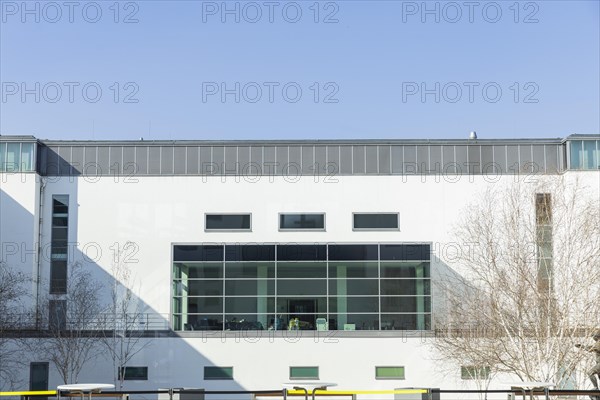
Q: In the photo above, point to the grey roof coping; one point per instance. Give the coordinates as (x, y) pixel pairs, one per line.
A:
(296, 142)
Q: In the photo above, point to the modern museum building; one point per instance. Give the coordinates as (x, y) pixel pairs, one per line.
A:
(247, 264)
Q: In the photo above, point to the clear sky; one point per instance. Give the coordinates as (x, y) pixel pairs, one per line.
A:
(305, 69)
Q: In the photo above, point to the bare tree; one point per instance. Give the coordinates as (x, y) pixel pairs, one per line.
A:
(525, 288)
(12, 292)
(74, 325)
(124, 324)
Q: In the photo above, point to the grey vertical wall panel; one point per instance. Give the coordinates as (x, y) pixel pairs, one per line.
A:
(116, 160)
(230, 163)
(193, 160)
(371, 157)
(500, 158)
(244, 160)
(487, 160)
(52, 160)
(422, 159)
(358, 160)
(77, 160)
(103, 160)
(206, 167)
(449, 160)
(308, 160)
(539, 158)
(435, 159)
(282, 160)
(269, 160)
(154, 160)
(256, 160)
(397, 159)
(320, 159)
(141, 160)
(295, 161)
(130, 167)
(64, 160)
(384, 159)
(179, 160)
(346, 160)
(474, 156)
(512, 159)
(552, 165)
(166, 162)
(526, 162)
(218, 159)
(462, 158)
(333, 160)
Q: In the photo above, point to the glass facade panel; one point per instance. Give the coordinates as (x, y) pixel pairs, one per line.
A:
(347, 304)
(198, 287)
(301, 286)
(249, 287)
(205, 305)
(13, 157)
(405, 321)
(353, 269)
(353, 322)
(406, 304)
(301, 270)
(354, 287)
(250, 270)
(590, 161)
(249, 305)
(390, 269)
(208, 270)
(404, 287)
(27, 161)
(3, 157)
(247, 322)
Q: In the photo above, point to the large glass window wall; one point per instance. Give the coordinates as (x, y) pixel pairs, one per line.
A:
(302, 287)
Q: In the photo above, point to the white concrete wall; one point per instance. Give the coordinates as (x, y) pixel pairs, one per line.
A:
(19, 206)
(155, 212)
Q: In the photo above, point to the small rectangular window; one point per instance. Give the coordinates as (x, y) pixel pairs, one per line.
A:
(302, 221)
(376, 221)
(218, 373)
(304, 372)
(473, 372)
(389, 372)
(228, 222)
(134, 373)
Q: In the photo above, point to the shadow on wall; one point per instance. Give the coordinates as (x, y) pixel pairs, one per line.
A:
(170, 360)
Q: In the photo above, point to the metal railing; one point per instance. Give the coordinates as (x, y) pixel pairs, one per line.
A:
(103, 321)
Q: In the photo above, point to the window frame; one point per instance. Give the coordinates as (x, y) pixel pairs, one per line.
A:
(403, 377)
(206, 229)
(323, 229)
(355, 229)
(308, 378)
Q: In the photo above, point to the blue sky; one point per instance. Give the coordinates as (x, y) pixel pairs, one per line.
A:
(305, 69)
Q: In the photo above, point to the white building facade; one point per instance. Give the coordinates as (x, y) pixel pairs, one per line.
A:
(258, 262)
